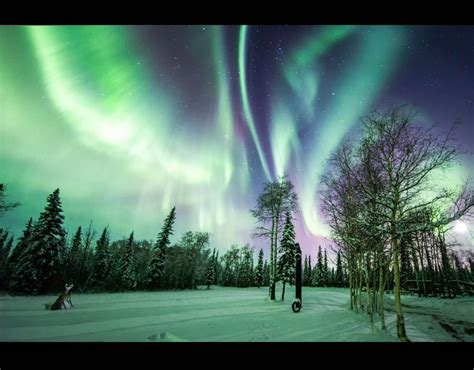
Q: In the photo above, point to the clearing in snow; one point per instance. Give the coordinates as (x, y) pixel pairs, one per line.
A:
(227, 314)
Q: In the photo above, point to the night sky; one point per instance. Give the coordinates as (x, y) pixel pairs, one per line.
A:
(128, 121)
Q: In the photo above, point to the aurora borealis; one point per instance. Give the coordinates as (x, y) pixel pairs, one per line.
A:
(130, 120)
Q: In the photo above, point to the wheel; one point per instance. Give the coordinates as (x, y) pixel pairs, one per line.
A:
(296, 306)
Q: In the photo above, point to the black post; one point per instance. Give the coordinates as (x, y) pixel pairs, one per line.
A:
(298, 273)
(296, 306)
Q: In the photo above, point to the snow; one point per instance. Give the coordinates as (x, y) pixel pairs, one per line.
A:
(223, 314)
(437, 319)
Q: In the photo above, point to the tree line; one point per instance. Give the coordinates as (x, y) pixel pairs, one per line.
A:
(45, 258)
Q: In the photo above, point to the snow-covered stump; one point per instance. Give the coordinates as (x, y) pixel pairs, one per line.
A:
(63, 302)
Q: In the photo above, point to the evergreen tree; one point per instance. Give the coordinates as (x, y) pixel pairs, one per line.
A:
(318, 272)
(5, 247)
(4, 207)
(3, 238)
(128, 278)
(17, 253)
(266, 274)
(286, 262)
(339, 278)
(259, 270)
(157, 262)
(310, 271)
(305, 271)
(210, 270)
(101, 260)
(325, 270)
(332, 278)
(40, 265)
(216, 269)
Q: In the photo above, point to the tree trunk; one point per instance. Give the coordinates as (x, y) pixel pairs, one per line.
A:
(283, 292)
(272, 267)
(381, 294)
(351, 286)
(359, 281)
(401, 332)
(422, 270)
(369, 303)
(417, 270)
(275, 249)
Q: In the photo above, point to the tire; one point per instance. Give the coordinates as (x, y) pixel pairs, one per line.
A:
(296, 306)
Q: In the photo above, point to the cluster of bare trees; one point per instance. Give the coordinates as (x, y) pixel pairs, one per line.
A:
(381, 202)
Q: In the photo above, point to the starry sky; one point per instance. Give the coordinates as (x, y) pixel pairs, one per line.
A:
(129, 121)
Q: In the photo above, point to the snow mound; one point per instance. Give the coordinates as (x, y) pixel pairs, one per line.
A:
(165, 337)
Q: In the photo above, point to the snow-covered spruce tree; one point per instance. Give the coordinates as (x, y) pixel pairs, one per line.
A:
(5, 248)
(210, 270)
(5, 244)
(157, 262)
(305, 271)
(16, 254)
(101, 261)
(286, 263)
(266, 274)
(325, 270)
(4, 206)
(8, 248)
(259, 270)
(39, 266)
(128, 277)
(339, 277)
(216, 269)
(318, 272)
(310, 271)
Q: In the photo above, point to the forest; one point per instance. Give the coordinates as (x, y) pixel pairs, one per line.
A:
(389, 222)
(43, 260)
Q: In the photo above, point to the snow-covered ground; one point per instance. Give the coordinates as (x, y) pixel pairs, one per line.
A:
(225, 314)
